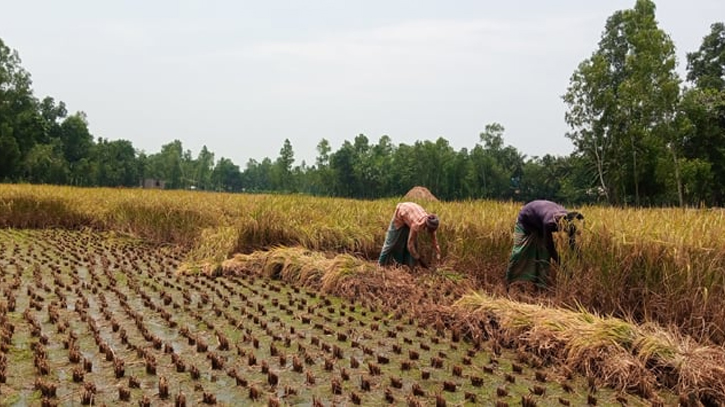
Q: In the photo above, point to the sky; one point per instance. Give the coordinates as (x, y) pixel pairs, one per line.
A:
(240, 77)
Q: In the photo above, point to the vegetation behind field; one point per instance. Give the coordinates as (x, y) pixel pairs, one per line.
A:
(661, 265)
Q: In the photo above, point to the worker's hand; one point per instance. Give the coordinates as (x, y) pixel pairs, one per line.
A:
(438, 257)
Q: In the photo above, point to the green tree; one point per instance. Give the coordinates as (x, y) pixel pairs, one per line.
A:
(323, 153)
(495, 169)
(702, 142)
(622, 101)
(167, 165)
(10, 155)
(706, 66)
(45, 164)
(561, 179)
(403, 173)
(700, 136)
(77, 141)
(541, 179)
(20, 125)
(320, 175)
(380, 159)
(283, 179)
(226, 176)
(343, 171)
(362, 169)
(53, 115)
(455, 174)
(441, 164)
(115, 163)
(204, 167)
(425, 163)
(257, 176)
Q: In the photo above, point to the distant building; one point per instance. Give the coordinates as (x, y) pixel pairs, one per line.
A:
(153, 183)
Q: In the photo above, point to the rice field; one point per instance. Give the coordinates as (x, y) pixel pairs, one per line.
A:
(98, 319)
(637, 316)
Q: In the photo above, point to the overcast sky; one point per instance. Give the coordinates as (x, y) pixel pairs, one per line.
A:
(241, 76)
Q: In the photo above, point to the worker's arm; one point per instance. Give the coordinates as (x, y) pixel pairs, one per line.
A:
(436, 246)
(412, 237)
(550, 246)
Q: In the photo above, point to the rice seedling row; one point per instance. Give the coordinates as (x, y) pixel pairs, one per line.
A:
(98, 319)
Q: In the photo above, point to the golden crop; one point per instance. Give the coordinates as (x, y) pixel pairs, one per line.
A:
(664, 265)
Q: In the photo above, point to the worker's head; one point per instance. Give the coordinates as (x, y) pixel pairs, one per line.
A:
(432, 222)
(571, 226)
(573, 215)
(568, 222)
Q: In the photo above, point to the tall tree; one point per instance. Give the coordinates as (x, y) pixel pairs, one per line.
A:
(77, 141)
(53, 115)
(167, 165)
(226, 176)
(320, 175)
(702, 121)
(45, 164)
(561, 179)
(425, 163)
(381, 161)
(495, 169)
(204, 167)
(404, 172)
(189, 168)
(115, 163)
(20, 125)
(457, 168)
(283, 178)
(364, 173)
(706, 66)
(622, 102)
(257, 176)
(343, 172)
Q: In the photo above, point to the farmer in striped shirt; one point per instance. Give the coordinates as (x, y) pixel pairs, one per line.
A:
(534, 248)
(400, 246)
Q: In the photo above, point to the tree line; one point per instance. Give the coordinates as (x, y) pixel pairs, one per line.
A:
(641, 137)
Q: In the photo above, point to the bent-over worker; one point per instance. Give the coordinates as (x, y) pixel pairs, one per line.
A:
(409, 220)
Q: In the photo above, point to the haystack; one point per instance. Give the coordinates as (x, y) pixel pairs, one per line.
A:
(420, 193)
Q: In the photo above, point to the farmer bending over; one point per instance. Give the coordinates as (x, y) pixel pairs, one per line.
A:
(400, 246)
(534, 248)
